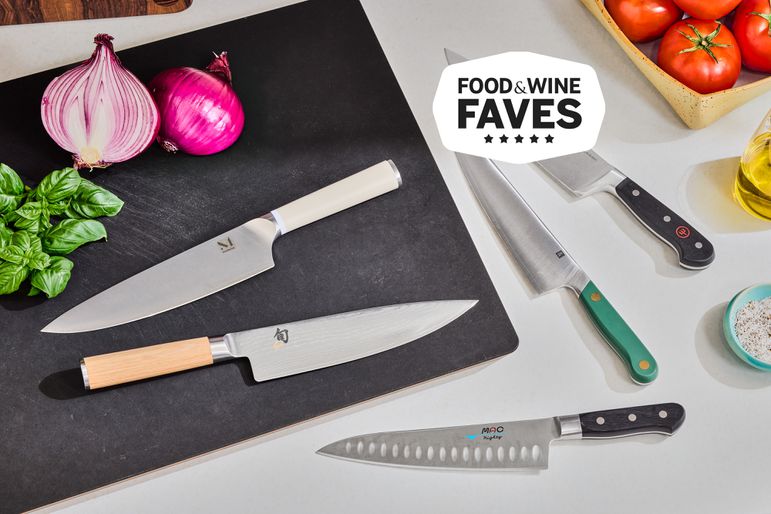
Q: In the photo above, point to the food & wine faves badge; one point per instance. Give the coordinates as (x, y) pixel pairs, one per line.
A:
(518, 106)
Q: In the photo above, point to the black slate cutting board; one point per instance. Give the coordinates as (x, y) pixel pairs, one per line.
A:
(321, 103)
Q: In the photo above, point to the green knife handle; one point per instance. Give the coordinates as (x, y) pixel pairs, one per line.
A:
(642, 366)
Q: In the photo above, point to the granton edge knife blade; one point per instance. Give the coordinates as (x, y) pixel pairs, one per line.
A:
(503, 446)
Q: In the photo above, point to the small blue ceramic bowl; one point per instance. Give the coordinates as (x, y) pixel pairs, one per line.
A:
(756, 293)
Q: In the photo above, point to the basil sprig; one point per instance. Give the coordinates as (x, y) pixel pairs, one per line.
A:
(39, 226)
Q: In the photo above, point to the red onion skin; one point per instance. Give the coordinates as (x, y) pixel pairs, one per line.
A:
(200, 112)
(121, 143)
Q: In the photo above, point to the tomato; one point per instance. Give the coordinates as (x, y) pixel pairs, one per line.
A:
(701, 54)
(643, 20)
(707, 9)
(752, 31)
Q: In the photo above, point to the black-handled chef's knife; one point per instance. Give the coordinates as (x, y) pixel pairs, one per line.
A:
(506, 445)
(586, 173)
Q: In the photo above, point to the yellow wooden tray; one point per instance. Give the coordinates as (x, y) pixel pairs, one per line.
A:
(695, 109)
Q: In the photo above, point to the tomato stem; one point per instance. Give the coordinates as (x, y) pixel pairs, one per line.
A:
(701, 42)
(765, 16)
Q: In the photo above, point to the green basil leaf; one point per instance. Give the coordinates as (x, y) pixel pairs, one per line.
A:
(39, 261)
(54, 278)
(12, 254)
(92, 201)
(11, 277)
(33, 291)
(67, 235)
(10, 182)
(11, 189)
(32, 217)
(25, 241)
(10, 217)
(58, 185)
(5, 235)
(57, 208)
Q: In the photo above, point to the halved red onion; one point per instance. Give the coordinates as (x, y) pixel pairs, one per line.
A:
(99, 111)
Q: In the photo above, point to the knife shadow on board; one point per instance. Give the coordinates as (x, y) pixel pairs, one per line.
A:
(68, 384)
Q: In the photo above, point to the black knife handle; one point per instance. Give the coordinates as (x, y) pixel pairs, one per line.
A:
(661, 418)
(693, 249)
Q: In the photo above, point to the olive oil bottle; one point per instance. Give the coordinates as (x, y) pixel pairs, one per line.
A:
(753, 182)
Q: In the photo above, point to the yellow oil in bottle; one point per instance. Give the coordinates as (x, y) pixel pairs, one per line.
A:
(753, 182)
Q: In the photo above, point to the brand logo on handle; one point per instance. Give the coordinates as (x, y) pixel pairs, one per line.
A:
(683, 232)
(225, 245)
(282, 338)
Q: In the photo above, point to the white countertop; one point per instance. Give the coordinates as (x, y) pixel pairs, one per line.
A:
(717, 462)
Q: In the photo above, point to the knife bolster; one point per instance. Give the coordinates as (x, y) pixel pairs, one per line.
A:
(140, 363)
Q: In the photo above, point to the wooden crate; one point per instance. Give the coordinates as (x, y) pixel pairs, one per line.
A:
(695, 109)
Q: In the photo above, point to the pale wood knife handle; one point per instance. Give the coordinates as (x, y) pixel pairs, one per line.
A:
(151, 361)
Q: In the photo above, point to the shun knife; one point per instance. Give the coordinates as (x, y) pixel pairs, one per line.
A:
(587, 173)
(223, 261)
(281, 350)
(547, 264)
(501, 446)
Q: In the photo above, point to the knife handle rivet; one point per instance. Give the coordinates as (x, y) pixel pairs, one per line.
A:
(600, 420)
(663, 414)
(644, 364)
(632, 418)
(596, 297)
(635, 192)
(698, 245)
(667, 219)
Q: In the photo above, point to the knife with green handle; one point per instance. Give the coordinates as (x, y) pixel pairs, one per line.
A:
(547, 265)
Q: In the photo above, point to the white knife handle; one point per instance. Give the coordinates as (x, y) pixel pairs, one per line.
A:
(360, 187)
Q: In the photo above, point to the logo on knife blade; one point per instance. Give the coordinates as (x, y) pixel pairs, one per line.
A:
(488, 433)
(282, 338)
(225, 245)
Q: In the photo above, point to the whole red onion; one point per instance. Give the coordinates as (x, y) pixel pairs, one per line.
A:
(200, 112)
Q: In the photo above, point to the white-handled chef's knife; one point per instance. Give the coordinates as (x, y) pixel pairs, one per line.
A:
(223, 261)
(587, 173)
(281, 350)
(501, 446)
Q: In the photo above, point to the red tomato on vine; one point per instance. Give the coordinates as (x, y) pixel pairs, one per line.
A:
(701, 54)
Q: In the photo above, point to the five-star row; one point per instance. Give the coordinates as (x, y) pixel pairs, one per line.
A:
(519, 138)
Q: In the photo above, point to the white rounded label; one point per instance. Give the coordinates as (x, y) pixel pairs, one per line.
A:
(519, 107)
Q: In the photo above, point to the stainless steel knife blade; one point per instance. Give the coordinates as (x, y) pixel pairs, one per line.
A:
(494, 446)
(587, 173)
(285, 349)
(219, 263)
(582, 173)
(503, 446)
(544, 261)
(223, 261)
(302, 346)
